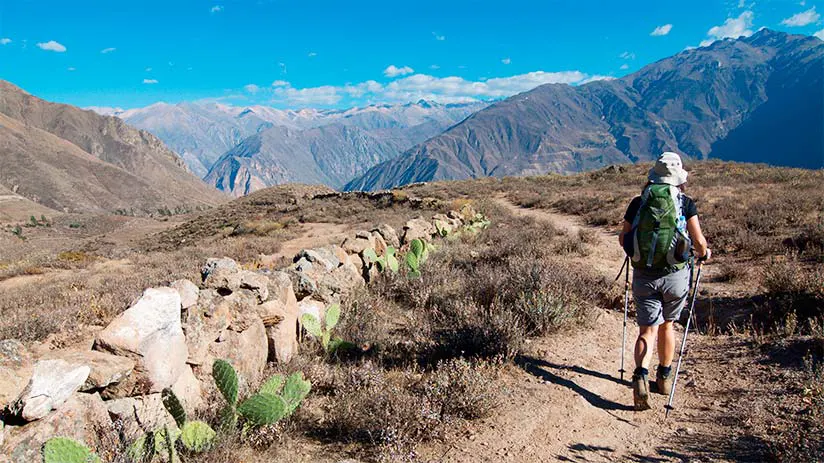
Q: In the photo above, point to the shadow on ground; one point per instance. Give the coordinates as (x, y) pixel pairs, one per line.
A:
(545, 371)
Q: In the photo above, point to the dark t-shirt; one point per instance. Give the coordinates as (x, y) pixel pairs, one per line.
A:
(687, 206)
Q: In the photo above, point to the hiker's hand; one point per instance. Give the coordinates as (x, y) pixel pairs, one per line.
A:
(706, 256)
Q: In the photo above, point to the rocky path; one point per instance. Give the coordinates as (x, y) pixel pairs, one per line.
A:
(566, 402)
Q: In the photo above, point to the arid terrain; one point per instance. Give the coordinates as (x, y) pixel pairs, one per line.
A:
(507, 347)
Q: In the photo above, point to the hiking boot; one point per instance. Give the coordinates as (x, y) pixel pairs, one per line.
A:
(640, 392)
(664, 381)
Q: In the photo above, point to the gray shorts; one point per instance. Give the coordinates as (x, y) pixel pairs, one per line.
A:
(660, 298)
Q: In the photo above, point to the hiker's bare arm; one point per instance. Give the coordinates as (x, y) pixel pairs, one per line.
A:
(624, 231)
(697, 237)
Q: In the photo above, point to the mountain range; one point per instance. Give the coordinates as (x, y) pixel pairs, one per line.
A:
(226, 144)
(751, 99)
(67, 159)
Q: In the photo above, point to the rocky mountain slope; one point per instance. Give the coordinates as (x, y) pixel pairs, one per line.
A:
(69, 159)
(340, 148)
(751, 99)
(202, 132)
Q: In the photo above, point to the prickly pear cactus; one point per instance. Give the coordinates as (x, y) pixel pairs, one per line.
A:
(390, 259)
(273, 385)
(311, 324)
(295, 390)
(173, 406)
(413, 265)
(65, 450)
(197, 436)
(262, 409)
(225, 380)
(332, 316)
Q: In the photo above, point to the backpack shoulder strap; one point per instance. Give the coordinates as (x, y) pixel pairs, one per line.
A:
(641, 204)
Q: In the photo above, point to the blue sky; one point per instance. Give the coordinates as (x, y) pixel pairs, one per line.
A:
(337, 54)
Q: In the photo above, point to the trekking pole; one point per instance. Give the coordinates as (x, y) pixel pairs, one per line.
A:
(684, 341)
(626, 308)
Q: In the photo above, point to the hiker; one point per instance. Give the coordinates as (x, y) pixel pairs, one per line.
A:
(660, 231)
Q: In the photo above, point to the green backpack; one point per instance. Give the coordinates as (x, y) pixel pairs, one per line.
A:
(658, 239)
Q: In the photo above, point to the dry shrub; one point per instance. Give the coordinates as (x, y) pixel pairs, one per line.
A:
(394, 410)
(794, 296)
(381, 409)
(729, 272)
(571, 245)
(459, 388)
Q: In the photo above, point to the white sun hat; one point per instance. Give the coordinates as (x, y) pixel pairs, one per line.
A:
(669, 170)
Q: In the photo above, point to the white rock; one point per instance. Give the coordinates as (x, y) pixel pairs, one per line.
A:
(188, 292)
(52, 382)
(149, 332)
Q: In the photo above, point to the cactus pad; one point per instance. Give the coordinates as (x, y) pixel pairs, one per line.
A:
(197, 436)
(65, 450)
(173, 406)
(225, 380)
(263, 409)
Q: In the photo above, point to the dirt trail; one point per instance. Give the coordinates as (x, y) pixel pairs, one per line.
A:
(566, 403)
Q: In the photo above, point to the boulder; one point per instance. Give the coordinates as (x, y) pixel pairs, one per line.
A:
(359, 243)
(221, 274)
(380, 243)
(188, 292)
(134, 416)
(188, 390)
(444, 222)
(257, 283)
(245, 346)
(389, 235)
(82, 417)
(51, 384)
(149, 332)
(417, 228)
(280, 317)
(204, 323)
(325, 256)
(15, 370)
(105, 369)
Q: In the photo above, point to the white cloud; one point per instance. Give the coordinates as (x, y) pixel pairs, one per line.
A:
(5, 41)
(312, 54)
(506, 60)
(732, 28)
(438, 37)
(251, 88)
(107, 50)
(150, 81)
(324, 95)
(627, 55)
(71, 69)
(624, 67)
(802, 19)
(418, 86)
(216, 9)
(393, 71)
(661, 30)
(820, 34)
(51, 45)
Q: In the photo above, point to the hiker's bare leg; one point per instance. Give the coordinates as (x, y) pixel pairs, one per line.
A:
(644, 344)
(666, 343)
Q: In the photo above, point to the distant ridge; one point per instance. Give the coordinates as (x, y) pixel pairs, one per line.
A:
(751, 99)
(68, 159)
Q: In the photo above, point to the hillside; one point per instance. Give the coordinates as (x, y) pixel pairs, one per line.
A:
(752, 99)
(69, 159)
(201, 133)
